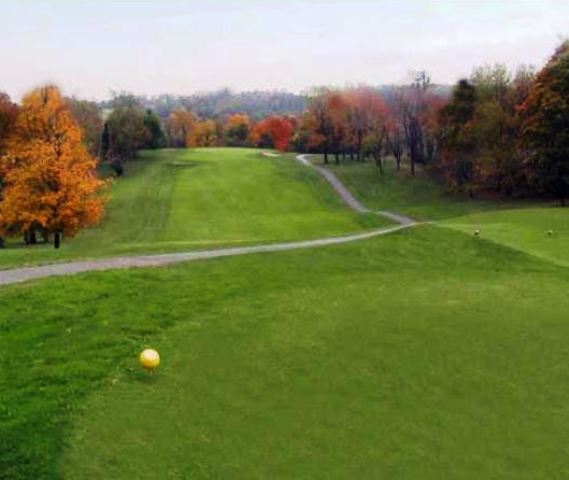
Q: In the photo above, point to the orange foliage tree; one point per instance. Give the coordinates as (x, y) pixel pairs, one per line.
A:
(237, 128)
(179, 128)
(8, 115)
(50, 181)
(204, 134)
(274, 131)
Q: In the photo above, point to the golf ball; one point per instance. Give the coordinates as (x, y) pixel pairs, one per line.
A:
(149, 359)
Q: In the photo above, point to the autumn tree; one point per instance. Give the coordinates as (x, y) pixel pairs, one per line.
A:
(8, 116)
(339, 137)
(374, 142)
(50, 181)
(495, 128)
(89, 117)
(395, 141)
(273, 132)
(414, 103)
(373, 124)
(237, 128)
(365, 109)
(319, 123)
(204, 134)
(179, 128)
(545, 128)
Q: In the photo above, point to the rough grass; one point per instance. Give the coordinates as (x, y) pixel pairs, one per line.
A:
(419, 196)
(174, 200)
(423, 354)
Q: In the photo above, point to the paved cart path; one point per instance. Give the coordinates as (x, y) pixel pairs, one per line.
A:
(31, 273)
(347, 196)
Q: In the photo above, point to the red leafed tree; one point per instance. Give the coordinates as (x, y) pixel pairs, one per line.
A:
(274, 131)
(365, 111)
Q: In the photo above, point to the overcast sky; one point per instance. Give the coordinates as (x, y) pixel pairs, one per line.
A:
(174, 46)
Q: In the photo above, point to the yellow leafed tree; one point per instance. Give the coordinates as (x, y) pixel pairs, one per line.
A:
(50, 181)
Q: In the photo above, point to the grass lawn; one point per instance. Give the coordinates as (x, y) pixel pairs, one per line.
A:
(182, 200)
(419, 197)
(524, 229)
(423, 354)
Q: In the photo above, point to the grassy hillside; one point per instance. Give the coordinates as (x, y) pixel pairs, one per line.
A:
(419, 197)
(424, 354)
(181, 200)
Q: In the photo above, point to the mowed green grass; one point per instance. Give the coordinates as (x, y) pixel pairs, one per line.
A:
(420, 196)
(543, 232)
(423, 354)
(173, 200)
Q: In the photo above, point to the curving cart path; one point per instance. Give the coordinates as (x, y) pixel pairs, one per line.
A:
(139, 261)
(347, 196)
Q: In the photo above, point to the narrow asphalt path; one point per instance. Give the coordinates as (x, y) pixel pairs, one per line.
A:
(347, 196)
(31, 273)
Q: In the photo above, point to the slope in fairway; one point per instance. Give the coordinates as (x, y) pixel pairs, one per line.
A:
(543, 232)
(181, 200)
(424, 354)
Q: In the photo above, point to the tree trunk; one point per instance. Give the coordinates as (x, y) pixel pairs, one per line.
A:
(2, 243)
(326, 154)
(379, 163)
(337, 155)
(57, 240)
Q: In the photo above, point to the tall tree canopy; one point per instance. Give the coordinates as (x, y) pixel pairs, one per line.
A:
(274, 132)
(237, 128)
(8, 115)
(545, 116)
(50, 180)
(180, 125)
(90, 118)
(125, 131)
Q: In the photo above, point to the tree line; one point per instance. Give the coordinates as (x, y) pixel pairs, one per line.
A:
(498, 132)
(495, 132)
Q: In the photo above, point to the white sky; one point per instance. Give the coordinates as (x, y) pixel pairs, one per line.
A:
(173, 46)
